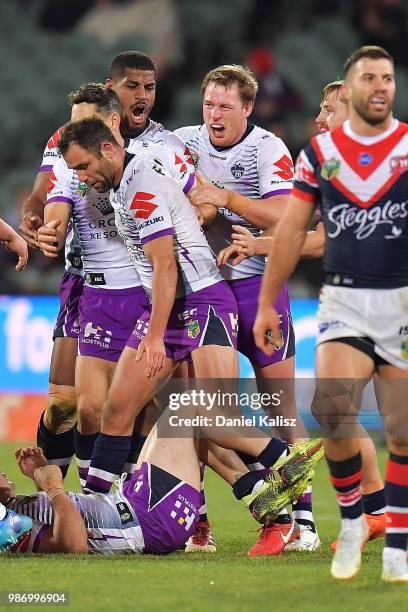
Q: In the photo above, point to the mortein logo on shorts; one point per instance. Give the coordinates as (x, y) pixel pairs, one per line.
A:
(184, 516)
(142, 205)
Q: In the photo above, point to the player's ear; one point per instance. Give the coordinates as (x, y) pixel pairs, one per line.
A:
(107, 150)
(344, 92)
(248, 106)
(109, 83)
(115, 120)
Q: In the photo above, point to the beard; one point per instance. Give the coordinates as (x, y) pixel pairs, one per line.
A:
(373, 119)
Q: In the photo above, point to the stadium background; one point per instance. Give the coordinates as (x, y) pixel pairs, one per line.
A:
(50, 47)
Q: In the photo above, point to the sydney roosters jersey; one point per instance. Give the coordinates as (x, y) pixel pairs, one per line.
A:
(149, 204)
(362, 184)
(259, 167)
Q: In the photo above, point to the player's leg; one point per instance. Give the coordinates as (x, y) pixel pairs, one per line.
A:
(55, 434)
(92, 381)
(129, 392)
(394, 408)
(342, 371)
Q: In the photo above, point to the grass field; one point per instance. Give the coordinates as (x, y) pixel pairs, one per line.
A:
(227, 580)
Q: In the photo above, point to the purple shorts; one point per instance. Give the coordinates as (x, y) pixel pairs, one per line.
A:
(208, 316)
(165, 506)
(67, 325)
(246, 293)
(107, 318)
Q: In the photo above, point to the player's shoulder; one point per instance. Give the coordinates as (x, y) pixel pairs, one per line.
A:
(188, 132)
(52, 142)
(264, 139)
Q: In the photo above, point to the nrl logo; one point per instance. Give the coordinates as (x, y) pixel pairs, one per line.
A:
(83, 189)
(330, 169)
(193, 329)
(237, 170)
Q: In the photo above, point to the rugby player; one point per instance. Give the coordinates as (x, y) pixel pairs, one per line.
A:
(112, 285)
(358, 172)
(153, 512)
(132, 76)
(192, 311)
(250, 172)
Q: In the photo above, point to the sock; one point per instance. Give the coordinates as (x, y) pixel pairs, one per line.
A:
(58, 448)
(396, 496)
(374, 503)
(253, 465)
(202, 512)
(346, 479)
(84, 445)
(275, 449)
(283, 517)
(246, 484)
(137, 444)
(302, 510)
(108, 458)
(3, 512)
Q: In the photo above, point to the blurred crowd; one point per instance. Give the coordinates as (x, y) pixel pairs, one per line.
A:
(293, 50)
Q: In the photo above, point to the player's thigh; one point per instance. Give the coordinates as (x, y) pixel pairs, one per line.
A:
(131, 389)
(392, 395)
(63, 359)
(214, 361)
(92, 380)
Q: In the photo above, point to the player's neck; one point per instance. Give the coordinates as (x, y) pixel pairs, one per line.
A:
(360, 127)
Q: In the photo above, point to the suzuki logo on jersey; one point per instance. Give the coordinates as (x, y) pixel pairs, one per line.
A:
(330, 169)
(51, 182)
(237, 170)
(285, 165)
(183, 517)
(142, 206)
(399, 164)
(364, 222)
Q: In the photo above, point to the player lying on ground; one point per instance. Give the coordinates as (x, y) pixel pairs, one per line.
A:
(156, 510)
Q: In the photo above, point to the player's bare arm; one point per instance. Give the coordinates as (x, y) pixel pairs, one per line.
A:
(51, 235)
(161, 255)
(32, 212)
(287, 245)
(14, 243)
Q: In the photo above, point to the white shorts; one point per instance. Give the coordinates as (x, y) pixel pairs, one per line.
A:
(378, 314)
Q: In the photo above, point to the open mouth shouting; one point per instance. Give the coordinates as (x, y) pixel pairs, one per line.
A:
(139, 113)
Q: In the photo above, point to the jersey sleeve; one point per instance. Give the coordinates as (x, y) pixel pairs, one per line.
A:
(51, 154)
(306, 186)
(275, 167)
(184, 160)
(59, 187)
(148, 204)
(176, 165)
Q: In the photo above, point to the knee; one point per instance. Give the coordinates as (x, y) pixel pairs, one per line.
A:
(89, 414)
(398, 445)
(60, 414)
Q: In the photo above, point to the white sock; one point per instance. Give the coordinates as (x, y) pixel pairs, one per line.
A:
(3, 512)
(354, 524)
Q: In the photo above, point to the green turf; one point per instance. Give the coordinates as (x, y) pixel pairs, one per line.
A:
(227, 580)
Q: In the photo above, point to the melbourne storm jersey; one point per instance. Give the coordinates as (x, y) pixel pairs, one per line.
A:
(259, 167)
(362, 183)
(51, 155)
(156, 133)
(105, 257)
(149, 204)
(111, 523)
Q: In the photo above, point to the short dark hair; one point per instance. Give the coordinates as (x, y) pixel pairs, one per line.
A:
(233, 74)
(104, 98)
(130, 59)
(88, 134)
(370, 51)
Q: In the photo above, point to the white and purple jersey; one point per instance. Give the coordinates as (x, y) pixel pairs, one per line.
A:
(157, 134)
(149, 204)
(259, 166)
(51, 155)
(105, 258)
(110, 520)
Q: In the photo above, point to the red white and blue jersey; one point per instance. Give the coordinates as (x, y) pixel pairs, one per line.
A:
(362, 185)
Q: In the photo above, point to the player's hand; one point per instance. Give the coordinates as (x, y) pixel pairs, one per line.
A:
(155, 351)
(242, 237)
(29, 459)
(48, 477)
(48, 238)
(266, 329)
(230, 251)
(29, 226)
(207, 193)
(18, 246)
